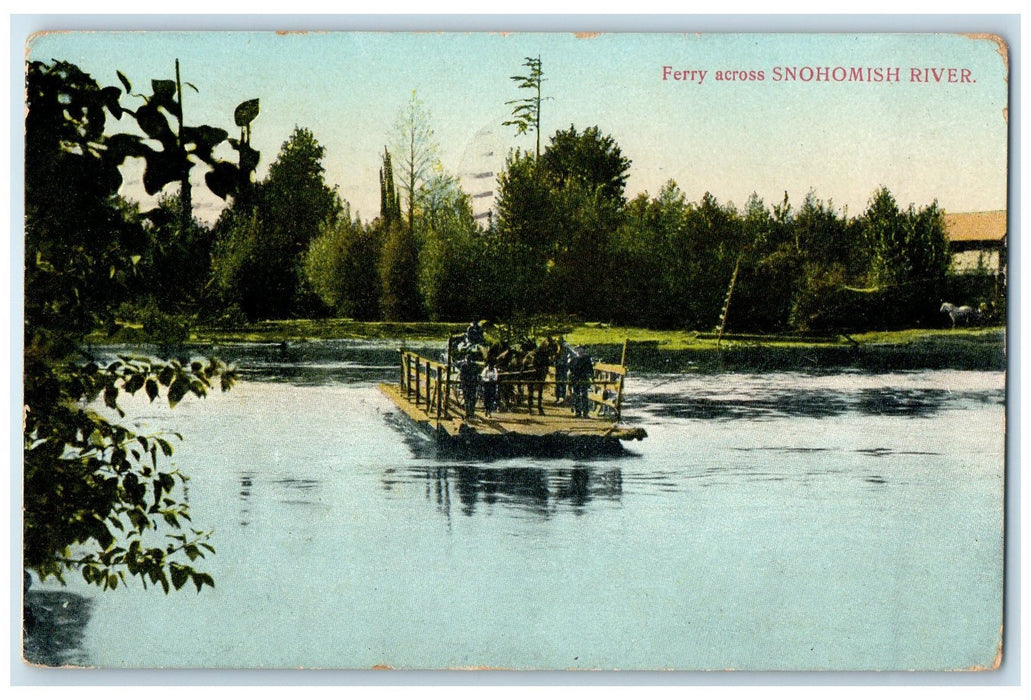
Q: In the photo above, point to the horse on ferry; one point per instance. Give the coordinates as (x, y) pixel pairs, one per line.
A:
(535, 365)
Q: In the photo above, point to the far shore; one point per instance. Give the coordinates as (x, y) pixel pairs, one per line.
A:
(978, 348)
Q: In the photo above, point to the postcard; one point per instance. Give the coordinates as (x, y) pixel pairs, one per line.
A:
(529, 351)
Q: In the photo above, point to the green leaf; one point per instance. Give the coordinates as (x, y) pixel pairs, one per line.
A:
(205, 137)
(122, 146)
(248, 158)
(111, 396)
(152, 389)
(154, 124)
(246, 112)
(166, 448)
(96, 438)
(110, 96)
(133, 384)
(166, 480)
(200, 579)
(162, 168)
(125, 81)
(163, 89)
(221, 179)
(179, 577)
(177, 391)
(139, 519)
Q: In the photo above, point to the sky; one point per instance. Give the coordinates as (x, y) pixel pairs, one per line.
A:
(925, 141)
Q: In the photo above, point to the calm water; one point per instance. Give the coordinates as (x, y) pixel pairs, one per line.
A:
(769, 521)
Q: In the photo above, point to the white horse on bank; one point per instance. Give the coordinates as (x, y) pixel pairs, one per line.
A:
(965, 315)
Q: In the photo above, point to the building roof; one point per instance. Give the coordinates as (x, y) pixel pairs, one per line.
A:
(976, 226)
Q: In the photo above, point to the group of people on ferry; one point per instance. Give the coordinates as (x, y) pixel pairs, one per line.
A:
(483, 367)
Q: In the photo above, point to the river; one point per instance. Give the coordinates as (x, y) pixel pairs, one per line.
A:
(770, 521)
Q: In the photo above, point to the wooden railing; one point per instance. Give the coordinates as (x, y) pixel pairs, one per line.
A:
(429, 384)
(434, 386)
(606, 392)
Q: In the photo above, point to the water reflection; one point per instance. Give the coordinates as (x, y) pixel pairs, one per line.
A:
(54, 628)
(296, 491)
(777, 402)
(246, 484)
(531, 490)
(285, 489)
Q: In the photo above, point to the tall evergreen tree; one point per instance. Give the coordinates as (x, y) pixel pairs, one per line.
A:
(526, 115)
(389, 201)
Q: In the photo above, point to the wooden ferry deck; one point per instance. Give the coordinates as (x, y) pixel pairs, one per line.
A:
(428, 395)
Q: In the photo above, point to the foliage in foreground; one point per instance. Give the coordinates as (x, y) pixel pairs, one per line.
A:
(98, 497)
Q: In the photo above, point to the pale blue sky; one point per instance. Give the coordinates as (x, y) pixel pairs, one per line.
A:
(923, 141)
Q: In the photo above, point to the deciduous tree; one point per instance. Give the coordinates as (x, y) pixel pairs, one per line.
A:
(260, 256)
(417, 150)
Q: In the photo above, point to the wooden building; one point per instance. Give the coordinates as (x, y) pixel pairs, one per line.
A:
(978, 236)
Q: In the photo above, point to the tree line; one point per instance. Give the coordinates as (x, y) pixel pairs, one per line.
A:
(563, 240)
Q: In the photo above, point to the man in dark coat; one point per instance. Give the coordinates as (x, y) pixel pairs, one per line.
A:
(581, 372)
(469, 378)
(474, 334)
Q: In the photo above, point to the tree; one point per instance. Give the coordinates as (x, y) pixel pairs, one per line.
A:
(590, 160)
(702, 251)
(770, 270)
(399, 275)
(177, 263)
(418, 151)
(906, 247)
(526, 115)
(96, 497)
(525, 234)
(453, 276)
(261, 253)
(342, 266)
(389, 201)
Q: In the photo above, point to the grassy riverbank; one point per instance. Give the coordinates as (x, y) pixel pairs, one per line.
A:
(676, 351)
(583, 334)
